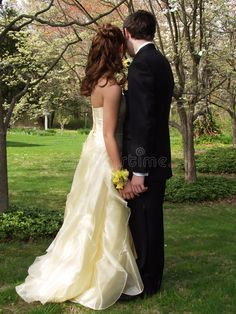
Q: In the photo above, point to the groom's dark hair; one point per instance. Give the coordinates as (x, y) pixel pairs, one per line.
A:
(141, 25)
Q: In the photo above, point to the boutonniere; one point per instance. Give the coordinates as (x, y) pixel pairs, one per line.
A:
(126, 64)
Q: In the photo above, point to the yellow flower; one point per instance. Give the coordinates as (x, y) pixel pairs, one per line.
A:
(126, 63)
(115, 180)
(119, 178)
(125, 173)
(120, 186)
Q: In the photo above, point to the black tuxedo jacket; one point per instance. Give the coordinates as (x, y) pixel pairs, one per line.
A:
(146, 143)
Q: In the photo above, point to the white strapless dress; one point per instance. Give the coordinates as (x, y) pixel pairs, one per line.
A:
(91, 261)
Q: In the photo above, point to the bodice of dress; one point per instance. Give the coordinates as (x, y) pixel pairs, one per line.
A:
(97, 130)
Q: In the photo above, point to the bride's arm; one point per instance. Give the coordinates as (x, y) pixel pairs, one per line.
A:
(111, 105)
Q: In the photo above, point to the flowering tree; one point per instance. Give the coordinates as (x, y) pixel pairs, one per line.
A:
(188, 50)
(222, 57)
(189, 34)
(18, 74)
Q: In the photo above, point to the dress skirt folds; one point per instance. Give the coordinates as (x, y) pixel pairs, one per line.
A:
(91, 261)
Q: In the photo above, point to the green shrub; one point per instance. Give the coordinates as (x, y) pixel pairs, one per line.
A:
(206, 125)
(205, 189)
(83, 131)
(74, 123)
(34, 131)
(217, 160)
(25, 224)
(219, 138)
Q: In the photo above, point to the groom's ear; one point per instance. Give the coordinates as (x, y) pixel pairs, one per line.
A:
(126, 33)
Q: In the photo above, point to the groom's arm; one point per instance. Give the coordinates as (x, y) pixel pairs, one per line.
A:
(141, 102)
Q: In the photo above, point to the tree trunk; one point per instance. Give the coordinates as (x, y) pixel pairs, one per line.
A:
(62, 125)
(234, 130)
(51, 119)
(189, 152)
(188, 147)
(40, 121)
(190, 170)
(3, 172)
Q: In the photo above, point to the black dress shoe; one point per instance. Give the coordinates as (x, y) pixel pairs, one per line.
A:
(127, 298)
(149, 292)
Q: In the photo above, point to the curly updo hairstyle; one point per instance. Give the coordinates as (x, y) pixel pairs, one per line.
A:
(104, 59)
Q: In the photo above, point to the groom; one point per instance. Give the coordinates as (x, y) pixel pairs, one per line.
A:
(146, 146)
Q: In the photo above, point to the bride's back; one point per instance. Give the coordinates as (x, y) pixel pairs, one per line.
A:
(98, 95)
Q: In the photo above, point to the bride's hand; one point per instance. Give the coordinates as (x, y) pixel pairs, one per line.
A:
(127, 193)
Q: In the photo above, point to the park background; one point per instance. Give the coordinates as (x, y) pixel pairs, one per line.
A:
(44, 122)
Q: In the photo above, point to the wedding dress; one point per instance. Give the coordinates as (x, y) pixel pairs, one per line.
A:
(91, 261)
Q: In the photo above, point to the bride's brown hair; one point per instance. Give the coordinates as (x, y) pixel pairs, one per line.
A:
(104, 59)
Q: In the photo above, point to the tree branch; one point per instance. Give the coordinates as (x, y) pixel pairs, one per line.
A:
(72, 68)
(52, 24)
(158, 29)
(14, 100)
(224, 108)
(11, 25)
(17, 97)
(212, 90)
(54, 63)
(175, 125)
(82, 8)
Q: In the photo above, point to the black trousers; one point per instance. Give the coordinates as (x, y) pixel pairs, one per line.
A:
(146, 224)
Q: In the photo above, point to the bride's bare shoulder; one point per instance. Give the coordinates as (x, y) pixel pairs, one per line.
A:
(105, 91)
(108, 89)
(105, 83)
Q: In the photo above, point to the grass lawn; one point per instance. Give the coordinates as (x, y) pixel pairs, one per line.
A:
(199, 273)
(200, 238)
(41, 168)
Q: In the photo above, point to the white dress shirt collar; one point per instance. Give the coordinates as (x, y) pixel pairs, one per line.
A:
(143, 45)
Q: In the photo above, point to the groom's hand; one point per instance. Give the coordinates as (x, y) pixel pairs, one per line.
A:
(137, 184)
(127, 193)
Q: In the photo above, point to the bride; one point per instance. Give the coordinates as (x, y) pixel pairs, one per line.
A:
(91, 261)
